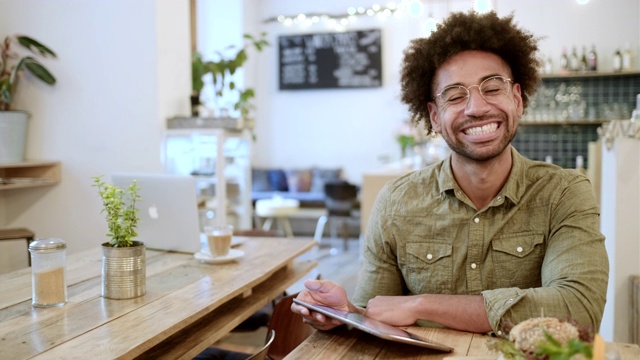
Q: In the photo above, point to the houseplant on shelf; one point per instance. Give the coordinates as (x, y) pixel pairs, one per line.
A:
(123, 258)
(222, 73)
(13, 124)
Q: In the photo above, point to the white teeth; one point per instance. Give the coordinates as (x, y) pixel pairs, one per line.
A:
(482, 129)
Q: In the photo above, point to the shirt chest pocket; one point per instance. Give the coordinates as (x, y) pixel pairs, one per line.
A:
(517, 260)
(516, 245)
(428, 267)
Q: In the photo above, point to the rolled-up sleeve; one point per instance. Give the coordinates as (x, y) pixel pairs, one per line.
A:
(379, 274)
(575, 269)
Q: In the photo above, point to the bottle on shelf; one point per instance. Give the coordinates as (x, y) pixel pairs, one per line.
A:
(574, 61)
(548, 65)
(564, 61)
(592, 59)
(580, 165)
(548, 159)
(617, 60)
(627, 57)
(635, 115)
(584, 66)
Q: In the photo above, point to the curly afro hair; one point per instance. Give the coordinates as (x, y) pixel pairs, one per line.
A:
(461, 32)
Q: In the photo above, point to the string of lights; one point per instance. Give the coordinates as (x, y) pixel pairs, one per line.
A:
(344, 19)
(339, 21)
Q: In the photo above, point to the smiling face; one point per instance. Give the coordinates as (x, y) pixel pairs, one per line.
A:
(477, 130)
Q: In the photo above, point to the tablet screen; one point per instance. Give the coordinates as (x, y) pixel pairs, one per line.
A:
(375, 327)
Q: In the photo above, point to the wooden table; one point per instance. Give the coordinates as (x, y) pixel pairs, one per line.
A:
(343, 343)
(187, 307)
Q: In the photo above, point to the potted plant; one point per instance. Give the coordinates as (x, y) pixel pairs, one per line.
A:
(222, 71)
(13, 124)
(123, 258)
(198, 71)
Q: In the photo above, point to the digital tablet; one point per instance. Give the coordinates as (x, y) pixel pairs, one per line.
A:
(375, 327)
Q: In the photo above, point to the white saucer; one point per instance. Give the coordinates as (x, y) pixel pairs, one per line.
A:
(233, 255)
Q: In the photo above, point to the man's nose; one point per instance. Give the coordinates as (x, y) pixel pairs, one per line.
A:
(476, 102)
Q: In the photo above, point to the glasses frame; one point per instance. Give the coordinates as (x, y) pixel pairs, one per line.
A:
(437, 98)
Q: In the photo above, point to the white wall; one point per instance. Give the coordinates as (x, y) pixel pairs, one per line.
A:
(354, 128)
(619, 223)
(122, 69)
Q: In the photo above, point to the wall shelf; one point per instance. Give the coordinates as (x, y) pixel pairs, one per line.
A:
(563, 122)
(594, 74)
(28, 174)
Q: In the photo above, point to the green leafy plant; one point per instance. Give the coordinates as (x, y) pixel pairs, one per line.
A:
(554, 350)
(13, 64)
(222, 71)
(121, 211)
(405, 141)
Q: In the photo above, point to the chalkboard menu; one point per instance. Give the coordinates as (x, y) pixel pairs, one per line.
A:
(331, 60)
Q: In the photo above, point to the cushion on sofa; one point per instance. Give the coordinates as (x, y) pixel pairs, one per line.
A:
(260, 180)
(305, 185)
(299, 180)
(278, 180)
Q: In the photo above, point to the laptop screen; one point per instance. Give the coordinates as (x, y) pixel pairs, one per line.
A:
(168, 210)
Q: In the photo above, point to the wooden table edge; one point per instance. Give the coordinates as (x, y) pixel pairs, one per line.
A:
(190, 341)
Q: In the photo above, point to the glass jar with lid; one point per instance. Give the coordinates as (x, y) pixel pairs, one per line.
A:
(48, 278)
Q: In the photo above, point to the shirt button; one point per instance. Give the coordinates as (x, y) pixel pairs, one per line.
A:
(476, 220)
(519, 249)
(429, 256)
(499, 333)
(509, 301)
(473, 266)
(499, 198)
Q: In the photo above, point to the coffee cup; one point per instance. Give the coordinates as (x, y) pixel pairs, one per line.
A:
(219, 239)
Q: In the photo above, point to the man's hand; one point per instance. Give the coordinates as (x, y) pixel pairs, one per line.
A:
(322, 292)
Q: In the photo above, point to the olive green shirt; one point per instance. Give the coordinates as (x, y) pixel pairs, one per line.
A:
(535, 249)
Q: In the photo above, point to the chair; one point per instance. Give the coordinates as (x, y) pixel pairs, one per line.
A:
(341, 199)
(291, 330)
(18, 233)
(214, 353)
(290, 327)
(262, 354)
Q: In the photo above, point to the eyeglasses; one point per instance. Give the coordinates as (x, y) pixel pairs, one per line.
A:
(491, 90)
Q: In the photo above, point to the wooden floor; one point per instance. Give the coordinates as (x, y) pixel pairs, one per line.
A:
(334, 263)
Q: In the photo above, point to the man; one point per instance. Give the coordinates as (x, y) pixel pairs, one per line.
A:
(486, 237)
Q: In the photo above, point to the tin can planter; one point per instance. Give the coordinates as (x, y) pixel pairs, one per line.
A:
(123, 271)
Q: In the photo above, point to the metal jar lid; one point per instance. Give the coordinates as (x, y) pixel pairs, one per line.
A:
(47, 244)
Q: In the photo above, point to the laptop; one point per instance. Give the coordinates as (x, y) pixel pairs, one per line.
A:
(168, 210)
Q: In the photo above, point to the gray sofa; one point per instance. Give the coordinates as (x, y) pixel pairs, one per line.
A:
(304, 185)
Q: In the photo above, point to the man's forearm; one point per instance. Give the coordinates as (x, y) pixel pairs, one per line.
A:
(460, 312)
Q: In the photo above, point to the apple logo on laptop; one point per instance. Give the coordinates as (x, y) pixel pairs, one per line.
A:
(153, 212)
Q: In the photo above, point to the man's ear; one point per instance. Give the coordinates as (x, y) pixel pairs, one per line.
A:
(433, 115)
(517, 97)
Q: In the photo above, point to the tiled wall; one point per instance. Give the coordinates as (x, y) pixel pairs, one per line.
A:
(562, 142)
(546, 130)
